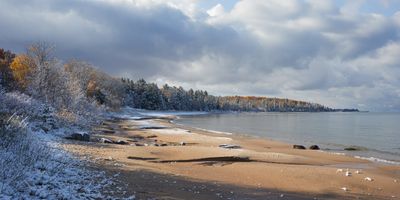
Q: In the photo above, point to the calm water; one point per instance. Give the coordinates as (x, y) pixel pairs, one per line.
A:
(377, 134)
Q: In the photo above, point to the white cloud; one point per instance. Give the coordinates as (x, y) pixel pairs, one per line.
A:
(216, 11)
(311, 50)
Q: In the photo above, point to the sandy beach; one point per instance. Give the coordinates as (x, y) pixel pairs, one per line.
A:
(162, 160)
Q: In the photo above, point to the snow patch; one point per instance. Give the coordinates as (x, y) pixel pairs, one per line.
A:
(173, 131)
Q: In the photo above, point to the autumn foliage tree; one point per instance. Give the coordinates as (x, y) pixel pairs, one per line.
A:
(22, 66)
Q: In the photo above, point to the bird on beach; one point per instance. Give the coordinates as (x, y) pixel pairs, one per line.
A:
(358, 172)
(345, 189)
(339, 170)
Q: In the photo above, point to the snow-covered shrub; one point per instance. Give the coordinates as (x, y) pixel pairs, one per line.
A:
(57, 88)
(22, 104)
(33, 167)
(18, 152)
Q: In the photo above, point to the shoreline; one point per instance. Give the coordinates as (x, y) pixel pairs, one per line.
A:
(360, 152)
(332, 151)
(261, 164)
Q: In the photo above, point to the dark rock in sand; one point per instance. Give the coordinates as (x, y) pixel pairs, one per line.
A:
(314, 147)
(138, 144)
(108, 131)
(296, 146)
(152, 127)
(137, 137)
(182, 143)
(152, 136)
(351, 149)
(121, 142)
(79, 136)
(163, 144)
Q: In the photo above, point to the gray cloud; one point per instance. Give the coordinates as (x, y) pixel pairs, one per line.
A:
(310, 50)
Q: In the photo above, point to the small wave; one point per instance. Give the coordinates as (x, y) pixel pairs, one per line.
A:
(373, 159)
(213, 131)
(336, 153)
(203, 129)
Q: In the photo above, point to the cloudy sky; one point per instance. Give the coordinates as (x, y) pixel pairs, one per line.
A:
(338, 53)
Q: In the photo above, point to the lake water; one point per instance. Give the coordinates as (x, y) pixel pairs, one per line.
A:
(376, 134)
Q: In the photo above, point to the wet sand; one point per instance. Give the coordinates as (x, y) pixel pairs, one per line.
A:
(170, 161)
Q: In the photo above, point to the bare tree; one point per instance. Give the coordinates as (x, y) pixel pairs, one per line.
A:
(42, 53)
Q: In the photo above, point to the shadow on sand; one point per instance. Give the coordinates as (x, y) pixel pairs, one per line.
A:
(151, 185)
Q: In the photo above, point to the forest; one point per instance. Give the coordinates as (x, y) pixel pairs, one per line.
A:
(75, 88)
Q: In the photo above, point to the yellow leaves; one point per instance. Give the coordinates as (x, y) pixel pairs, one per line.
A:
(21, 67)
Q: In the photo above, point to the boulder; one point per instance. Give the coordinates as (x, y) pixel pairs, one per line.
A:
(296, 146)
(121, 142)
(105, 140)
(81, 136)
(351, 149)
(314, 147)
(108, 131)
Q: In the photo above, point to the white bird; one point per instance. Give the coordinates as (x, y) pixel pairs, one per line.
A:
(339, 170)
(348, 173)
(395, 180)
(345, 189)
(358, 172)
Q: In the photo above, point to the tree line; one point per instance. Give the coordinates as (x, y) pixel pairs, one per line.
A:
(140, 94)
(76, 87)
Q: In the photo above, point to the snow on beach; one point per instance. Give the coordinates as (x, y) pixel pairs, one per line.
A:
(42, 170)
(33, 164)
(173, 131)
(138, 114)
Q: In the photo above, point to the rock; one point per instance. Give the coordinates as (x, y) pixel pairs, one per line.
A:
(151, 136)
(108, 131)
(164, 145)
(368, 179)
(182, 143)
(105, 140)
(81, 136)
(137, 137)
(230, 146)
(350, 149)
(296, 146)
(109, 158)
(314, 147)
(121, 142)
